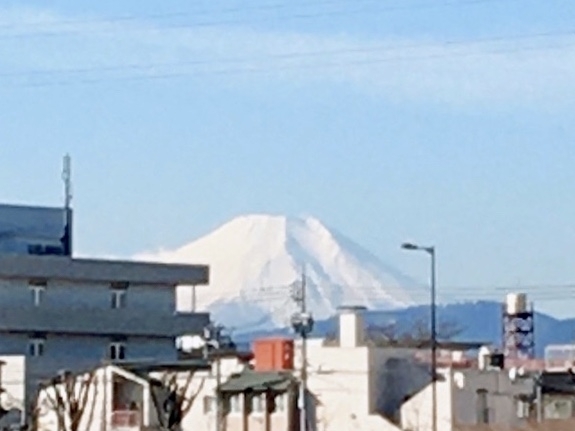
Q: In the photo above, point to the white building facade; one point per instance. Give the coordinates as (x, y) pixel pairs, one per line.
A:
(469, 397)
(358, 386)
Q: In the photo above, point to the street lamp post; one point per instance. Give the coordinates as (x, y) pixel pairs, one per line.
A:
(431, 251)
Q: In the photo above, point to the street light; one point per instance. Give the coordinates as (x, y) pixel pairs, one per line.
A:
(431, 251)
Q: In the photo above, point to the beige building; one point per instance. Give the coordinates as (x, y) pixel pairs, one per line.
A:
(359, 386)
(263, 401)
(13, 394)
(469, 397)
(113, 398)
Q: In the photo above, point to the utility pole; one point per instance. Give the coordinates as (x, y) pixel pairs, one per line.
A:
(431, 252)
(212, 338)
(302, 323)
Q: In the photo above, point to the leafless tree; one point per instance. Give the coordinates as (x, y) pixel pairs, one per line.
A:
(177, 400)
(67, 396)
(389, 335)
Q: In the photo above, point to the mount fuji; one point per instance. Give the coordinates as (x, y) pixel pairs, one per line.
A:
(256, 263)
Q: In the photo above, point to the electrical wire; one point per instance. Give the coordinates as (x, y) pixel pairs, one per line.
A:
(296, 16)
(254, 70)
(378, 49)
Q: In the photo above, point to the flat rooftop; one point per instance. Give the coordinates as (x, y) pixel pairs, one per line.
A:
(20, 207)
(101, 270)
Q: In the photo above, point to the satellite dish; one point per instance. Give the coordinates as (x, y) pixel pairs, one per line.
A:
(459, 380)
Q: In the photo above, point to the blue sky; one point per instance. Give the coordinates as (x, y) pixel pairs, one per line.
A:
(445, 122)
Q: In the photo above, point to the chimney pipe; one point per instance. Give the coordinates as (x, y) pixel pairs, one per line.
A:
(351, 326)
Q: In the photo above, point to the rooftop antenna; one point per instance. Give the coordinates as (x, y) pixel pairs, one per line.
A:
(67, 178)
(66, 239)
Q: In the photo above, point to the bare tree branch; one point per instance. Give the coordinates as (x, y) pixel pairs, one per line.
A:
(68, 397)
(189, 400)
(177, 401)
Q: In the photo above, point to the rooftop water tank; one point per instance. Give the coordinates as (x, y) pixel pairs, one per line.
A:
(516, 303)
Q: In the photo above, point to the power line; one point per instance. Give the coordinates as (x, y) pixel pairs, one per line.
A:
(177, 14)
(448, 294)
(380, 48)
(296, 16)
(255, 70)
(281, 290)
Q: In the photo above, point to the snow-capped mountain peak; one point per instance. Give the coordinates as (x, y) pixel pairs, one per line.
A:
(256, 260)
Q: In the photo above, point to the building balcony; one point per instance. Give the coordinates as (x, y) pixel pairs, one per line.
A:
(126, 420)
(101, 322)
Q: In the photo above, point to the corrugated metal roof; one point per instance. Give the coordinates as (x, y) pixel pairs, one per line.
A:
(101, 270)
(259, 381)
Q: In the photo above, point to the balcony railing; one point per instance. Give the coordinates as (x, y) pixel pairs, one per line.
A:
(126, 420)
(93, 321)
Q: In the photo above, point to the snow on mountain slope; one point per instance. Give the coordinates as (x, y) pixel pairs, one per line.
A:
(256, 261)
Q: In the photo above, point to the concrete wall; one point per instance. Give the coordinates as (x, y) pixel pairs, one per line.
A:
(63, 295)
(78, 323)
(85, 308)
(416, 413)
(394, 375)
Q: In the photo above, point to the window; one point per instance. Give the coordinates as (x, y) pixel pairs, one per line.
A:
(280, 402)
(258, 403)
(209, 404)
(37, 288)
(482, 407)
(118, 298)
(236, 404)
(36, 347)
(118, 291)
(522, 409)
(558, 408)
(117, 351)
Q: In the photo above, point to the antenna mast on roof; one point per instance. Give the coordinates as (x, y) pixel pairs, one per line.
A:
(67, 178)
(66, 239)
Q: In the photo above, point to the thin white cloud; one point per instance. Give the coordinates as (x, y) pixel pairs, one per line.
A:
(512, 72)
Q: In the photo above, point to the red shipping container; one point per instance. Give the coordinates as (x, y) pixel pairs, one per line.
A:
(273, 354)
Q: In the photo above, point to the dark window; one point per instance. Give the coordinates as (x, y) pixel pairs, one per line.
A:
(117, 351)
(119, 290)
(118, 299)
(36, 347)
(37, 289)
(482, 407)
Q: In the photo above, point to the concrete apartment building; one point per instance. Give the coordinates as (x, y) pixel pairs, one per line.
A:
(470, 397)
(65, 313)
